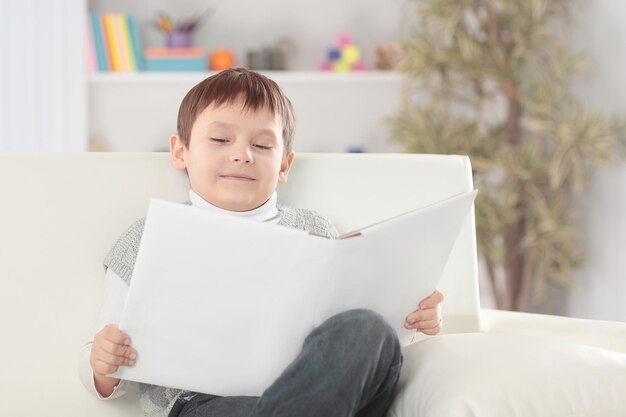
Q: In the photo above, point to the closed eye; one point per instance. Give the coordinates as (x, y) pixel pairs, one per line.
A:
(263, 147)
(218, 140)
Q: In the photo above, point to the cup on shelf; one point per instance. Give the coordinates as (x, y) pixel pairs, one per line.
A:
(178, 39)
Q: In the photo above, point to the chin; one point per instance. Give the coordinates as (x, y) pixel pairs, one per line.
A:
(238, 205)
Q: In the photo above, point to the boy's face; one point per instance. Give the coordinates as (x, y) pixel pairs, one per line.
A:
(235, 156)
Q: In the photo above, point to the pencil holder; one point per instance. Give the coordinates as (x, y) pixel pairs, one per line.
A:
(178, 39)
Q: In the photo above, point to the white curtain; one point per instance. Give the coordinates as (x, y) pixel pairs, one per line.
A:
(42, 75)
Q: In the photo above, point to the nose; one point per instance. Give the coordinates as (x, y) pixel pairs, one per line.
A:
(242, 154)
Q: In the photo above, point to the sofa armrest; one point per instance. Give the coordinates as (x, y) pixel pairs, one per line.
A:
(598, 333)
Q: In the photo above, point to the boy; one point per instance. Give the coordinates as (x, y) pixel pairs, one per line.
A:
(235, 134)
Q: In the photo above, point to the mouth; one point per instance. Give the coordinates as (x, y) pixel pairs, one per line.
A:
(237, 177)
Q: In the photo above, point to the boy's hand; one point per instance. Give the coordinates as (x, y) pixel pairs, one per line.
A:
(110, 350)
(427, 318)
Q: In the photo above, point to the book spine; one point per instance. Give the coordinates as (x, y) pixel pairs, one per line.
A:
(127, 46)
(90, 48)
(119, 40)
(136, 43)
(109, 29)
(99, 41)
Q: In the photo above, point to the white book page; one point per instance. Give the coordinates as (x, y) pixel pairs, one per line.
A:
(219, 304)
(391, 266)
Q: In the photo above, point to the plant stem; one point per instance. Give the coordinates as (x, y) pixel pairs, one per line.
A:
(514, 259)
(521, 301)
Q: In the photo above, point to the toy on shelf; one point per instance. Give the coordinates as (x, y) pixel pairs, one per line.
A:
(273, 58)
(355, 149)
(221, 59)
(389, 56)
(266, 58)
(344, 57)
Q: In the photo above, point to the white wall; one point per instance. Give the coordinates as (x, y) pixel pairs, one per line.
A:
(600, 290)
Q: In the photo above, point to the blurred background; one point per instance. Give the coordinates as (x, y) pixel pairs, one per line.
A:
(532, 90)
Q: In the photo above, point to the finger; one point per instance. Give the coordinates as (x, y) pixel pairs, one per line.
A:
(410, 326)
(422, 315)
(114, 335)
(424, 324)
(432, 331)
(429, 331)
(431, 301)
(429, 324)
(114, 348)
(104, 356)
(103, 368)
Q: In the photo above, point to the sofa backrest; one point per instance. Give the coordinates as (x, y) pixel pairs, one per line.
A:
(61, 212)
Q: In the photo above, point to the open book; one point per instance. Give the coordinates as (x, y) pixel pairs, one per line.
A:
(221, 305)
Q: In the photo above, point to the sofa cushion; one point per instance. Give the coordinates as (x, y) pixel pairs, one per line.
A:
(498, 374)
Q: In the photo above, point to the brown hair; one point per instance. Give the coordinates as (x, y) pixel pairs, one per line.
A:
(228, 86)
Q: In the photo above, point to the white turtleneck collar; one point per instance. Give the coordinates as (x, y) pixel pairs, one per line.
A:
(267, 212)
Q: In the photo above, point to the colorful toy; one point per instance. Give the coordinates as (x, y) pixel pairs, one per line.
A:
(389, 56)
(221, 59)
(344, 57)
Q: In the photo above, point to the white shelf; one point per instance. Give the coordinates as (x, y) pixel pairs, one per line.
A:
(279, 76)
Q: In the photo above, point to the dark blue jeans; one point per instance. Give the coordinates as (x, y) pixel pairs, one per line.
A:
(348, 366)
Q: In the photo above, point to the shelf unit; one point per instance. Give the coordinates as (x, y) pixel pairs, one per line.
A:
(361, 77)
(335, 111)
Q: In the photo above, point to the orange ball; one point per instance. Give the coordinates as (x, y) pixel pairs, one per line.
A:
(221, 59)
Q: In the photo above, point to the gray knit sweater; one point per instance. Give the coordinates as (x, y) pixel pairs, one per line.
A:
(157, 401)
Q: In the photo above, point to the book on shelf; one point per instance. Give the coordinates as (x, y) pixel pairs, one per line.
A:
(90, 52)
(174, 53)
(175, 59)
(115, 40)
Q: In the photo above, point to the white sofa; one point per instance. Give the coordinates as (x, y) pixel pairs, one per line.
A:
(61, 212)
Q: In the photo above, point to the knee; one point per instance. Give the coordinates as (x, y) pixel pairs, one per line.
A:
(361, 321)
(364, 327)
(360, 338)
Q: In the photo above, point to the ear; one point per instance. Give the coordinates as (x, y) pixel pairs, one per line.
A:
(285, 166)
(177, 152)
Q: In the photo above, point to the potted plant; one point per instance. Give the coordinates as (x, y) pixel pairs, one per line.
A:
(491, 79)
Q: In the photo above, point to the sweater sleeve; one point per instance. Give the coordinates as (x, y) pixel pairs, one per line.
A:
(121, 258)
(115, 291)
(308, 220)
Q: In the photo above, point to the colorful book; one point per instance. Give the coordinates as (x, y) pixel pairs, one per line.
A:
(101, 46)
(121, 28)
(135, 41)
(90, 48)
(106, 43)
(176, 64)
(174, 53)
(117, 47)
(114, 47)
